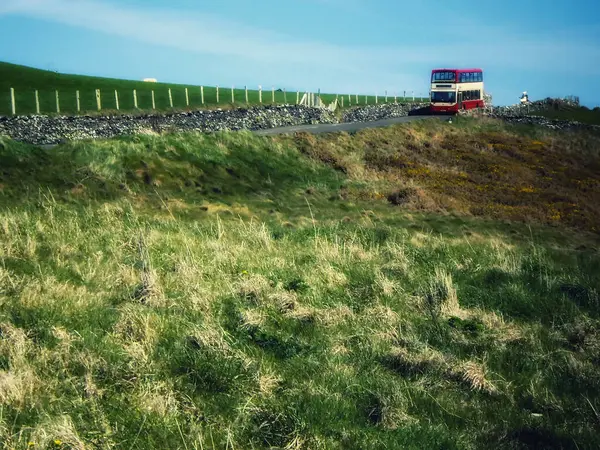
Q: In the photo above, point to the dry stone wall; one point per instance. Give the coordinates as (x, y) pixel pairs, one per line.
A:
(41, 130)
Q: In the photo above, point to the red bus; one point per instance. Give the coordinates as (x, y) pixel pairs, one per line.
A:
(454, 89)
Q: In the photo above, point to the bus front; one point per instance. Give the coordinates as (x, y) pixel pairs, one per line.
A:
(443, 91)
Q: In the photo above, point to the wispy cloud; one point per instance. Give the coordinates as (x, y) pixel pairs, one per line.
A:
(385, 65)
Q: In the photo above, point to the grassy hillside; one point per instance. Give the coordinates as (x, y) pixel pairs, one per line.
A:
(421, 286)
(581, 114)
(25, 80)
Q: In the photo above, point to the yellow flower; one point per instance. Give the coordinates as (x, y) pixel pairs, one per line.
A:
(57, 442)
(30, 444)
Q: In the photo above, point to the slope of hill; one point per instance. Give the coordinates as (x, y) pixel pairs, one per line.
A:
(554, 108)
(421, 286)
(581, 114)
(25, 80)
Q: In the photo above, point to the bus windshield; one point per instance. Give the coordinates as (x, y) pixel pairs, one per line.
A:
(443, 97)
(443, 76)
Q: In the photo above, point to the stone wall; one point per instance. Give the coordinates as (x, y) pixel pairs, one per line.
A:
(41, 130)
(52, 130)
(369, 113)
(526, 114)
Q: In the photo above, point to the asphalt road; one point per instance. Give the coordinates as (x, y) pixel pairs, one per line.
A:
(327, 128)
(337, 127)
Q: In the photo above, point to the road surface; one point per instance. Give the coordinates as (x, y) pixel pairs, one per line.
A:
(326, 128)
(337, 127)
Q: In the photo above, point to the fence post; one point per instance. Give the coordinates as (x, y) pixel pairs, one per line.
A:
(170, 98)
(246, 92)
(349, 100)
(284, 96)
(342, 101)
(232, 94)
(260, 94)
(217, 94)
(13, 106)
(376, 98)
(202, 93)
(37, 102)
(98, 100)
(57, 101)
(187, 98)
(78, 99)
(272, 94)
(297, 97)
(366, 99)
(117, 99)
(135, 104)
(153, 103)
(386, 96)
(413, 92)
(395, 97)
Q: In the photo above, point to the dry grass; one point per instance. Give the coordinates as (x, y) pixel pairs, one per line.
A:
(126, 323)
(552, 179)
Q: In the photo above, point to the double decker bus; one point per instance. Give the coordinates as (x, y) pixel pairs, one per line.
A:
(454, 89)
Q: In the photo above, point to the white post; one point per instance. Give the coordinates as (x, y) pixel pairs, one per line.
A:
(135, 105)
(366, 99)
(232, 94)
(376, 99)
(413, 92)
(386, 96)
(297, 97)
(273, 94)
(37, 102)
(246, 91)
(57, 102)
(284, 96)
(260, 94)
(98, 100)
(153, 103)
(13, 106)
(187, 98)
(395, 97)
(356, 99)
(78, 101)
(170, 98)
(117, 99)
(342, 101)
(202, 94)
(349, 100)
(217, 94)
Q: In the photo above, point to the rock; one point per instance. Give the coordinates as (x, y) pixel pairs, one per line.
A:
(525, 114)
(44, 130)
(41, 130)
(369, 113)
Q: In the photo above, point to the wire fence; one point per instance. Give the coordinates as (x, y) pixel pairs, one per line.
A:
(157, 98)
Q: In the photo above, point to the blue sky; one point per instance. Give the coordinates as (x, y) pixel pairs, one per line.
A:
(347, 46)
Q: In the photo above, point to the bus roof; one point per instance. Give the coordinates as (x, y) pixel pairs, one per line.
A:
(456, 70)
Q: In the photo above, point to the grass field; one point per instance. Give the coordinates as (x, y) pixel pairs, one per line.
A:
(423, 286)
(25, 80)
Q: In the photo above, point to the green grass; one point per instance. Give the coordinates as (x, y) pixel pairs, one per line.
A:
(232, 291)
(26, 80)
